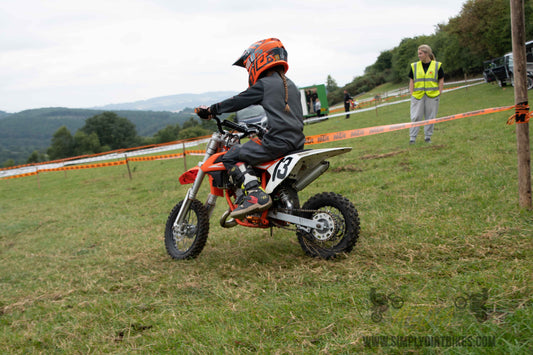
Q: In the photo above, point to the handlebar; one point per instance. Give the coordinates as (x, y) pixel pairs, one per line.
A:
(204, 113)
(234, 126)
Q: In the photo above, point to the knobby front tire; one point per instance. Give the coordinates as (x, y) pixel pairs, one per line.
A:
(187, 240)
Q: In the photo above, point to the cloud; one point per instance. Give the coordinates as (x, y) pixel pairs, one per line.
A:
(88, 53)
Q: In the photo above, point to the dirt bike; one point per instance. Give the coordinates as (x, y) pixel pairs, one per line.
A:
(326, 225)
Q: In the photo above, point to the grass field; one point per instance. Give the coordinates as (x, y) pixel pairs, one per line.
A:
(444, 247)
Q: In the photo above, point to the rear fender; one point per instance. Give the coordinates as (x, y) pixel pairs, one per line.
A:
(297, 165)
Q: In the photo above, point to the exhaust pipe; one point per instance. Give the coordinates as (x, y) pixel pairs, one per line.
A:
(312, 176)
(227, 224)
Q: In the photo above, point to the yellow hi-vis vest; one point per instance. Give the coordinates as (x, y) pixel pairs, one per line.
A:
(428, 82)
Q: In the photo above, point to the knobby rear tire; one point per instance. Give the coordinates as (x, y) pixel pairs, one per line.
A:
(190, 244)
(347, 220)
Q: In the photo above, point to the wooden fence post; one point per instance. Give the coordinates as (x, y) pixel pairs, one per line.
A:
(520, 90)
(128, 165)
(184, 157)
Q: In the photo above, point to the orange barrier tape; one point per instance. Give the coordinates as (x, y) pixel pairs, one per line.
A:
(123, 150)
(195, 152)
(167, 156)
(87, 166)
(317, 139)
(156, 157)
(115, 163)
(63, 168)
(361, 132)
(17, 176)
(521, 114)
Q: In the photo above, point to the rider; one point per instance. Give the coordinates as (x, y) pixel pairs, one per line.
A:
(266, 63)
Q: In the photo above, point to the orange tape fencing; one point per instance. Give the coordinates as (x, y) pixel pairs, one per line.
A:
(362, 132)
(316, 139)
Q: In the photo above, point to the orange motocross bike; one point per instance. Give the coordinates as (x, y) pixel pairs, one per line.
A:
(326, 225)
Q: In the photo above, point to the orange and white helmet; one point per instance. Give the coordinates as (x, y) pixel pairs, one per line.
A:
(261, 56)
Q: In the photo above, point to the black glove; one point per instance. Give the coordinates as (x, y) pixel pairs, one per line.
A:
(203, 112)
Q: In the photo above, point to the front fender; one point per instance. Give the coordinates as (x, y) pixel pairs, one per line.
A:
(189, 176)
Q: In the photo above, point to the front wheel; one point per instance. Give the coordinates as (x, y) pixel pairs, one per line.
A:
(339, 226)
(187, 240)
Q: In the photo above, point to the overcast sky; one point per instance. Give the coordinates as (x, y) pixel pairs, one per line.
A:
(79, 54)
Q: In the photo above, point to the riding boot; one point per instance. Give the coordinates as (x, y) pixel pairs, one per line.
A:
(255, 198)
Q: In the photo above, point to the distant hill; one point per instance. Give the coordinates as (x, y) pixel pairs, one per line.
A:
(26, 131)
(172, 103)
(3, 114)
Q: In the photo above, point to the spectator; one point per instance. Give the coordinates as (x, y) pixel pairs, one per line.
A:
(426, 81)
(347, 102)
(318, 108)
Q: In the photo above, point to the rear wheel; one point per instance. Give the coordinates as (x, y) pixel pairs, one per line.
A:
(339, 226)
(187, 240)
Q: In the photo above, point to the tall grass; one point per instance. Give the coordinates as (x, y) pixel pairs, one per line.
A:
(84, 269)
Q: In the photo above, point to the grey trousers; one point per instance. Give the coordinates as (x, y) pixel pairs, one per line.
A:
(251, 153)
(424, 109)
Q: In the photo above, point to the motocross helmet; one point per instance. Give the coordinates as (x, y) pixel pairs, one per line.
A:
(263, 55)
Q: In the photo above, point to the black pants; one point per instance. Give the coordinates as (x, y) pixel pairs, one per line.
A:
(346, 109)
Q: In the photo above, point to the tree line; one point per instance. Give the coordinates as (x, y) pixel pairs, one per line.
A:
(26, 132)
(480, 32)
(108, 131)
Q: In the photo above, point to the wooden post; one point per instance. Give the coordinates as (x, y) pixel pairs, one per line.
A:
(184, 157)
(127, 164)
(520, 91)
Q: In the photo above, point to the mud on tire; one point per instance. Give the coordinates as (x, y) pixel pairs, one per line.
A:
(342, 238)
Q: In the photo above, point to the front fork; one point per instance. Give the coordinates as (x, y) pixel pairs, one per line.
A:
(191, 195)
(212, 148)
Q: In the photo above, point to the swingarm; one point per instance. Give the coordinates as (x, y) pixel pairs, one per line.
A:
(299, 221)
